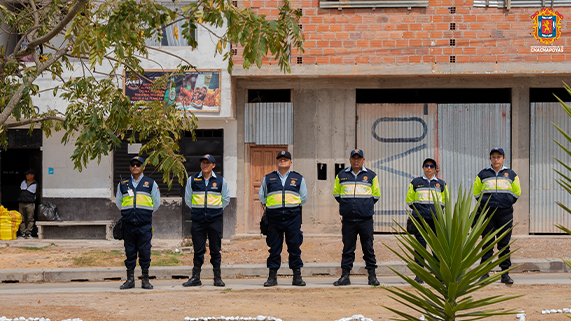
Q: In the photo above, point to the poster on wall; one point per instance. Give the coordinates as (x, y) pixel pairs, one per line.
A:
(195, 91)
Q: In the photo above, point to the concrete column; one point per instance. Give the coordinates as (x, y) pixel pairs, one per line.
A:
(520, 155)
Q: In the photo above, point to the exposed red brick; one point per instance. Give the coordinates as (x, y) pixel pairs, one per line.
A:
(531, 58)
(442, 59)
(336, 60)
(329, 35)
(348, 60)
(490, 59)
(408, 35)
(328, 52)
(362, 60)
(309, 60)
(309, 44)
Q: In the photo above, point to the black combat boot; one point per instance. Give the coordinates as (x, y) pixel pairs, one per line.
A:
(130, 283)
(217, 279)
(272, 278)
(195, 279)
(297, 280)
(145, 280)
(373, 277)
(344, 279)
(506, 279)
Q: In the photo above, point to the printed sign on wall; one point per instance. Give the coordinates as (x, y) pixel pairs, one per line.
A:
(193, 91)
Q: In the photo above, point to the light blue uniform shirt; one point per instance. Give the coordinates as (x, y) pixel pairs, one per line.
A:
(155, 193)
(225, 191)
(264, 189)
(490, 167)
(363, 169)
(432, 179)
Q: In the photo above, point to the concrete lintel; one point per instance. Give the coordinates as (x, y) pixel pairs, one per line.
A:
(407, 70)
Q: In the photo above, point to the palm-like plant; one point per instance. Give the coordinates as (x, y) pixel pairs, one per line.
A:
(565, 180)
(454, 272)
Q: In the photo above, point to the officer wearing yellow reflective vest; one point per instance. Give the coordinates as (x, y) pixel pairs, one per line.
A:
(206, 194)
(499, 187)
(420, 198)
(283, 192)
(137, 198)
(357, 190)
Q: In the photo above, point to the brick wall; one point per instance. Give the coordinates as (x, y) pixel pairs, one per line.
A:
(419, 35)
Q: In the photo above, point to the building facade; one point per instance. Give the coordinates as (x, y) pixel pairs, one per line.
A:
(405, 80)
(90, 194)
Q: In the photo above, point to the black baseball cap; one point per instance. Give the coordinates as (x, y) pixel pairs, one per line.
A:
(209, 158)
(499, 150)
(284, 153)
(356, 152)
(30, 171)
(430, 160)
(138, 159)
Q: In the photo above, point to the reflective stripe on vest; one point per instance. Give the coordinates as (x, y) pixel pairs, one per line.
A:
(213, 200)
(500, 184)
(143, 201)
(290, 199)
(425, 196)
(356, 190)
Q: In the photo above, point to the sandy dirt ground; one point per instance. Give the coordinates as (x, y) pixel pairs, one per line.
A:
(47, 254)
(287, 304)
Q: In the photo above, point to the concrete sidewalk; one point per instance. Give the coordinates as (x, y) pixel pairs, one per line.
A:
(249, 284)
(236, 271)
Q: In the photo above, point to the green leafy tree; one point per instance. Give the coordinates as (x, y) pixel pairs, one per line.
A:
(92, 44)
(564, 180)
(454, 272)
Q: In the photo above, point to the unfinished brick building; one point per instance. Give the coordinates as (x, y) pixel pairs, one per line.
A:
(405, 80)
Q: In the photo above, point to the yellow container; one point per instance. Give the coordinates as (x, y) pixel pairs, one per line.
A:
(9, 223)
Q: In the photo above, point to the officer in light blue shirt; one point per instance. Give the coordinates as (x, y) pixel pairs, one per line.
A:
(137, 198)
(207, 195)
(283, 192)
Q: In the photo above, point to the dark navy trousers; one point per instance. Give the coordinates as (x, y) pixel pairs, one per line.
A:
(350, 230)
(137, 241)
(213, 231)
(291, 228)
(500, 217)
(421, 239)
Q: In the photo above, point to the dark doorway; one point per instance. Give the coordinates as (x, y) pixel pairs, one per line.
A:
(23, 152)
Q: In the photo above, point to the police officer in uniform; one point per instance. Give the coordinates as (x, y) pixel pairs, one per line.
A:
(499, 186)
(420, 199)
(283, 192)
(206, 194)
(357, 190)
(137, 198)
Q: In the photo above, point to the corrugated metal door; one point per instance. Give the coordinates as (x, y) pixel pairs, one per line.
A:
(544, 190)
(268, 123)
(467, 133)
(395, 139)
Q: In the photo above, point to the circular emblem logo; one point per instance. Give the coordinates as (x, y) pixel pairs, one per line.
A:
(293, 182)
(437, 184)
(506, 174)
(207, 155)
(365, 178)
(283, 152)
(146, 183)
(214, 184)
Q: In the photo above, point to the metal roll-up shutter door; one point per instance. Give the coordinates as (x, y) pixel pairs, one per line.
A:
(544, 190)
